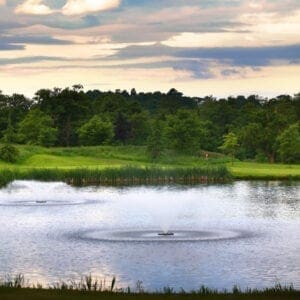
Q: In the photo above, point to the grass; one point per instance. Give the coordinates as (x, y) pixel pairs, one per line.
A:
(252, 170)
(41, 294)
(127, 175)
(103, 156)
(91, 288)
(95, 162)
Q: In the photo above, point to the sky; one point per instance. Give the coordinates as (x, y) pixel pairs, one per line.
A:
(199, 47)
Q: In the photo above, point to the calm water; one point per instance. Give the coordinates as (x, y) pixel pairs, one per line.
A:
(245, 233)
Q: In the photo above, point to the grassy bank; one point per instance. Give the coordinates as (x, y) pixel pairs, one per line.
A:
(131, 164)
(91, 288)
(264, 171)
(38, 294)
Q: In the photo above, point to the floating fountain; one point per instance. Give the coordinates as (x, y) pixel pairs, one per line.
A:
(166, 233)
(152, 235)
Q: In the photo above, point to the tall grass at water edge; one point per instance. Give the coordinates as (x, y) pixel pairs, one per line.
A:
(128, 175)
(90, 284)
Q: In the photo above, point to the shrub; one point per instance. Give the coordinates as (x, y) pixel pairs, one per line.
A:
(96, 131)
(9, 153)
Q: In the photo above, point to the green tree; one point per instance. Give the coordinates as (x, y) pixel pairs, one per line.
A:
(155, 142)
(139, 129)
(289, 144)
(96, 131)
(68, 108)
(230, 145)
(9, 133)
(37, 129)
(185, 131)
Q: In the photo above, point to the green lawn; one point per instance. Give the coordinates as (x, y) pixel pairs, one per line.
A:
(117, 156)
(251, 170)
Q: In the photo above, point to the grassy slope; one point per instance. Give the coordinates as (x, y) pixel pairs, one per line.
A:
(22, 294)
(109, 156)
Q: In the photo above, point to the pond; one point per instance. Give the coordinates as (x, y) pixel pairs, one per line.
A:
(244, 233)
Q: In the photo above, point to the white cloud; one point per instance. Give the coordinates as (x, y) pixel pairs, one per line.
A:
(80, 7)
(2, 2)
(33, 7)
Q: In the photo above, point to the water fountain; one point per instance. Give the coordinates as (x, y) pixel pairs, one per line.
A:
(34, 193)
(166, 233)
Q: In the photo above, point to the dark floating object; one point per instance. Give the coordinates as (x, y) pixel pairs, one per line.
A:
(166, 234)
(40, 201)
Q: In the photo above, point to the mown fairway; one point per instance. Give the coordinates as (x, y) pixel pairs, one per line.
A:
(252, 170)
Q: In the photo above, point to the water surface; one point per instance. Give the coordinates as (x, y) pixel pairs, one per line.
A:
(244, 233)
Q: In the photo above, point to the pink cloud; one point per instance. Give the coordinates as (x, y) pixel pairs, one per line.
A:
(33, 7)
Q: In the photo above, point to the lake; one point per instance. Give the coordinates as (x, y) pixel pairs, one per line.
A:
(244, 233)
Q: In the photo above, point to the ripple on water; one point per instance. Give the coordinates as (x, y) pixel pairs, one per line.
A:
(154, 236)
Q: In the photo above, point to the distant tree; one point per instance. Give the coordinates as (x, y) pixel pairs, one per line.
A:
(8, 152)
(251, 137)
(97, 131)
(37, 129)
(12, 110)
(230, 145)
(139, 128)
(156, 142)
(289, 144)
(9, 135)
(68, 108)
(133, 92)
(122, 128)
(185, 132)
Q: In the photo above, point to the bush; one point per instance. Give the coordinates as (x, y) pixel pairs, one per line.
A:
(96, 131)
(9, 153)
(261, 158)
(37, 129)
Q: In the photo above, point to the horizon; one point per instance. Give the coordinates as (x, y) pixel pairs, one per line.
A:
(116, 91)
(200, 48)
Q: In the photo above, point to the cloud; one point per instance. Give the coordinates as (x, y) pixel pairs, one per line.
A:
(33, 7)
(238, 56)
(4, 46)
(197, 68)
(26, 60)
(34, 39)
(230, 72)
(81, 7)
(19, 42)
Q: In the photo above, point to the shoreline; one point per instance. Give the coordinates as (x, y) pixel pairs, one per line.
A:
(136, 176)
(131, 165)
(122, 176)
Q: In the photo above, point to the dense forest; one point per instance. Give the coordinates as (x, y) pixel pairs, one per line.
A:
(246, 127)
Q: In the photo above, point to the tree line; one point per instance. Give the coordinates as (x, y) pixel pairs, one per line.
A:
(246, 127)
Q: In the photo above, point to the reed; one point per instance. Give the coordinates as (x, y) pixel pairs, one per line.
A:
(101, 286)
(128, 175)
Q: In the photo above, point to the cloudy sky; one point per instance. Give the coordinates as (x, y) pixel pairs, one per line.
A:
(200, 47)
